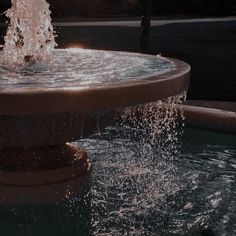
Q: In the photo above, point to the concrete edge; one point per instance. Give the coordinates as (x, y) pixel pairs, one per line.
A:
(210, 118)
(220, 105)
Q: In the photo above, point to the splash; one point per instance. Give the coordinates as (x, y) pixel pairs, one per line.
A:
(141, 174)
(159, 122)
(30, 37)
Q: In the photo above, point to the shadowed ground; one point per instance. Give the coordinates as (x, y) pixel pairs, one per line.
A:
(209, 47)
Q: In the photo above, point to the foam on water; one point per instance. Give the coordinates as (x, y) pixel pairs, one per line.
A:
(81, 68)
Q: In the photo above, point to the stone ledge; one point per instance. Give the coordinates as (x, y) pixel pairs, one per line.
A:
(210, 118)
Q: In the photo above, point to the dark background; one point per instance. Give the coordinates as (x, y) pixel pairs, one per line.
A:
(133, 7)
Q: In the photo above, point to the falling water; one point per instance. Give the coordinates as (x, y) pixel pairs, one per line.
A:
(142, 183)
(30, 36)
(134, 171)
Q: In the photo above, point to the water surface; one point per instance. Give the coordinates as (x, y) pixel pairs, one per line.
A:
(135, 189)
(82, 68)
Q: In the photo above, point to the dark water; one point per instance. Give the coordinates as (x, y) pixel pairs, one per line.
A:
(138, 187)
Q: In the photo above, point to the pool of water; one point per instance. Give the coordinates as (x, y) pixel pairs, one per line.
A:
(142, 187)
(137, 189)
(80, 68)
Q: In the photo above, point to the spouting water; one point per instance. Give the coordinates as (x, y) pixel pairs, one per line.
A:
(29, 59)
(30, 36)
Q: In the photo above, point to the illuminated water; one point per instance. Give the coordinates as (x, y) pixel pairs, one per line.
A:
(80, 68)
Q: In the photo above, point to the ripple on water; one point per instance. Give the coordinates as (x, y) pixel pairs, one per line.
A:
(82, 68)
(133, 195)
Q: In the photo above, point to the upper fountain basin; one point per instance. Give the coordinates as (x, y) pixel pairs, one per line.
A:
(79, 80)
(76, 95)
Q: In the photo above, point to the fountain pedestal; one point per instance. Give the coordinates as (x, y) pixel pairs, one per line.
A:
(42, 165)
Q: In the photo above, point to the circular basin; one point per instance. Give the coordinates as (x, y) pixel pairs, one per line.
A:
(75, 96)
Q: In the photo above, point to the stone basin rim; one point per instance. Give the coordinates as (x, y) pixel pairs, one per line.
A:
(96, 98)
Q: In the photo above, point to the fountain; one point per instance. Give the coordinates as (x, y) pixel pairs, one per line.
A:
(55, 104)
(49, 97)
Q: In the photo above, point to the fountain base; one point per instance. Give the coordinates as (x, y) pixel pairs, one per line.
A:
(42, 165)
